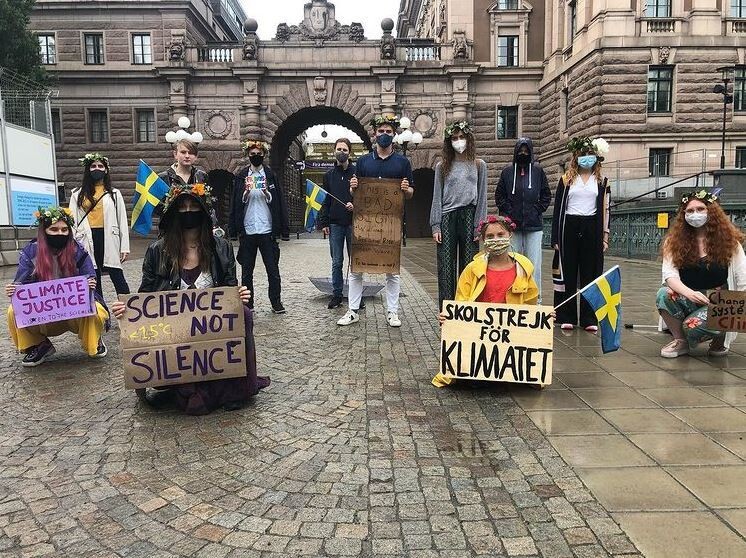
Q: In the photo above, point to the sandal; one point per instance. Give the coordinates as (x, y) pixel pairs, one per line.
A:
(675, 348)
(567, 327)
(592, 329)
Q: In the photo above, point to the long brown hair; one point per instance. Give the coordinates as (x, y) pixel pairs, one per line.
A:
(173, 239)
(572, 173)
(721, 238)
(88, 188)
(449, 154)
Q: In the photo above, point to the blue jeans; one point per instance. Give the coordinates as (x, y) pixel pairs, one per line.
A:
(529, 244)
(338, 235)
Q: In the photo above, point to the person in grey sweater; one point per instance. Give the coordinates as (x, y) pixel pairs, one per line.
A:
(459, 205)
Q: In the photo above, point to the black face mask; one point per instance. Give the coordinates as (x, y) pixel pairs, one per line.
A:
(256, 160)
(97, 175)
(523, 159)
(190, 219)
(341, 157)
(57, 241)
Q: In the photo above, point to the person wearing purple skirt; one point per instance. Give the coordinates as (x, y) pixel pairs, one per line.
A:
(188, 256)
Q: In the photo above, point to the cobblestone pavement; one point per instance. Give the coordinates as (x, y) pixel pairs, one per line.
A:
(350, 451)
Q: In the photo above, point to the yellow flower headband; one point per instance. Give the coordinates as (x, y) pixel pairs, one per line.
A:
(250, 144)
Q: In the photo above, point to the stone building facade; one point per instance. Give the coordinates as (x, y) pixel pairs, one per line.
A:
(549, 69)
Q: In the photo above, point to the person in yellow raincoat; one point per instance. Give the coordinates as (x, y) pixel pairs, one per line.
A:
(495, 274)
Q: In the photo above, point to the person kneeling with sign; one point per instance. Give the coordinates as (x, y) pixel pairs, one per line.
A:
(52, 256)
(495, 275)
(702, 251)
(188, 256)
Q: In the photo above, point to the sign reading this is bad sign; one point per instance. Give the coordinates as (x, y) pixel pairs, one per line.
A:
(497, 342)
(179, 337)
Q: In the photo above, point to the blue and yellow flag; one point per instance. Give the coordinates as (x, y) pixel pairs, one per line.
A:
(315, 196)
(150, 189)
(605, 297)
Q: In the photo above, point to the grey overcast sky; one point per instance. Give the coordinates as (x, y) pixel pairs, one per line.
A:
(270, 13)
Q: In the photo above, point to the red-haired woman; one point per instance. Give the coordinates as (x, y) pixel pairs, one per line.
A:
(55, 255)
(702, 251)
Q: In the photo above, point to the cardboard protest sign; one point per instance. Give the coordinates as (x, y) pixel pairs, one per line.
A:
(376, 225)
(179, 337)
(497, 342)
(727, 311)
(52, 301)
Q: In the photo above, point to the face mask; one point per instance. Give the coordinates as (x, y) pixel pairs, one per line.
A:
(190, 219)
(256, 160)
(341, 157)
(459, 145)
(384, 140)
(587, 161)
(57, 241)
(696, 220)
(497, 246)
(97, 175)
(523, 159)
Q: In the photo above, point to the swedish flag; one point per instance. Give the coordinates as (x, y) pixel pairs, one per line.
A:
(315, 196)
(149, 191)
(605, 297)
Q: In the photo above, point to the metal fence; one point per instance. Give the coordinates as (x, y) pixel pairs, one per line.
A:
(25, 102)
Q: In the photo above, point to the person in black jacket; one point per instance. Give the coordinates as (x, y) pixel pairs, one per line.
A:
(336, 219)
(188, 256)
(258, 216)
(523, 195)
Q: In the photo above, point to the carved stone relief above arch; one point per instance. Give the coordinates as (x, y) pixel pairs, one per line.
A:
(220, 124)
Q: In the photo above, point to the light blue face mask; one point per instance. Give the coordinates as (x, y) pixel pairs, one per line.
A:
(587, 161)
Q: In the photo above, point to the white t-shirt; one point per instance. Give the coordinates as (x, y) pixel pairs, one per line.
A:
(581, 197)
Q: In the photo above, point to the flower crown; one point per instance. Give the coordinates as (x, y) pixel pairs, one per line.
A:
(250, 144)
(701, 195)
(389, 119)
(45, 216)
(199, 189)
(500, 219)
(598, 145)
(88, 158)
(461, 125)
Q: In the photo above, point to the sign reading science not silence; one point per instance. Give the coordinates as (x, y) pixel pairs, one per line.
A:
(497, 342)
(179, 337)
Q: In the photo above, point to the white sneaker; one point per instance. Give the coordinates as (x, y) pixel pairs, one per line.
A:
(349, 318)
(393, 319)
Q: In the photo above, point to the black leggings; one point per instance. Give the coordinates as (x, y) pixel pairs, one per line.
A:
(116, 274)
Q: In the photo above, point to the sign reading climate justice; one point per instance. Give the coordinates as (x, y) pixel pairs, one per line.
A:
(52, 301)
(376, 226)
(497, 342)
(727, 311)
(179, 337)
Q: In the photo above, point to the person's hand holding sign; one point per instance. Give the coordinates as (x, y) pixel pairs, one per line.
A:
(10, 289)
(353, 184)
(245, 294)
(118, 308)
(92, 282)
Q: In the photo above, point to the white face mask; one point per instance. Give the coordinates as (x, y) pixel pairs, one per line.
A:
(696, 220)
(459, 145)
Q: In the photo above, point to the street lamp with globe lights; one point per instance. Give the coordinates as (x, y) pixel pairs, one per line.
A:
(722, 89)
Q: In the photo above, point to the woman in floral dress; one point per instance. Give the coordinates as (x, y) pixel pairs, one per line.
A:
(702, 251)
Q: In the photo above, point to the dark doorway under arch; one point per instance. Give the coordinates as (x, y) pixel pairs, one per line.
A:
(221, 183)
(286, 134)
(418, 208)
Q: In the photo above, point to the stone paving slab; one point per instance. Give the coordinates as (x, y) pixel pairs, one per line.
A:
(350, 451)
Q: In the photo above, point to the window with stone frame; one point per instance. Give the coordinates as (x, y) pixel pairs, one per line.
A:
(739, 89)
(507, 122)
(141, 49)
(94, 48)
(660, 89)
(741, 157)
(98, 126)
(47, 48)
(658, 8)
(56, 125)
(573, 20)
(738, 8)
(146, 126)
(659, 162)
(507, 51)
(507, 4)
